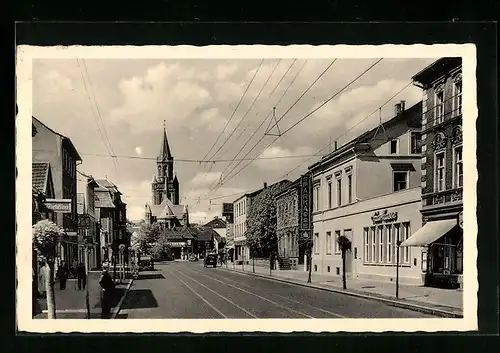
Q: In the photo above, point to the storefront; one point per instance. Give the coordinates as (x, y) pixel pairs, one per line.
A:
(442, 260)
(374, 227)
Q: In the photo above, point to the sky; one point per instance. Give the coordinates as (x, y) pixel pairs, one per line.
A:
(211, 109)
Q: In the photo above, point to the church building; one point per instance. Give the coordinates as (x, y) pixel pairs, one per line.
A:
(165, 208)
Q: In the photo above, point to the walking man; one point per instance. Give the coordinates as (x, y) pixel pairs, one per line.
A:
(62, 275)
(82, 276)
(107, 289)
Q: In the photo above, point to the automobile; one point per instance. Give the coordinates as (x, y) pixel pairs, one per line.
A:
(146, 263)
(210, 260)
(192, 258)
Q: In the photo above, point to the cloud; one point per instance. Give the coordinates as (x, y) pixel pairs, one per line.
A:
(138, 150)
(225, 71)
(274, 157)
(205, 179)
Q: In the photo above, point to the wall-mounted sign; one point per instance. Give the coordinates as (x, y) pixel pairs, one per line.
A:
(176, 244)
(379, 217)
(58, 205)
(83, 221)
(189, 242)
(305, 202)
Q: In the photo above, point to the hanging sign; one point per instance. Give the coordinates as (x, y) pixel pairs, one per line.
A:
(83, 221)
(58, 205)
(305, 203)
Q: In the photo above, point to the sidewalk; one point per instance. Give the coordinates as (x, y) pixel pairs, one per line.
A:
(433, 299)
(70, 302)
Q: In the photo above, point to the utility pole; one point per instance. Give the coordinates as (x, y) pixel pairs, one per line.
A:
(397, 266)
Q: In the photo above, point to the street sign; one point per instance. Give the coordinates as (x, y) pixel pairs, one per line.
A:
(58, 205)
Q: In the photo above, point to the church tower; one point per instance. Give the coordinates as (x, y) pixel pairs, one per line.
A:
(164, 184)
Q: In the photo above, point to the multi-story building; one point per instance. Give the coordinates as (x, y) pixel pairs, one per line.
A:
(228, 215)
(219, 226)
(88, 225)
(369, 191)
(293, 216)
(58, 150)
(442, 173)
(241, 207)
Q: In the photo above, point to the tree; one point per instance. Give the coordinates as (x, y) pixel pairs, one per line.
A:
(161, 249)
(261, 234)
(147, 237)
(46, 236)
(344, 245)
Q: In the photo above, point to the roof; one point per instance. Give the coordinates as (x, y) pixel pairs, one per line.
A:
(293, 184)
(216, 223)
(72, 147)
(177, 234)
(167, 210)
(103, 199)
(39, 176)
(165, 153)
(105, 183)
(436, 69)
(203, 233)
(368, 135)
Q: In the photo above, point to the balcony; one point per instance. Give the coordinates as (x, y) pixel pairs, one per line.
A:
(447, 198)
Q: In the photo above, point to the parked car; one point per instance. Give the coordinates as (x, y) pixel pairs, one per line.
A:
(193, 258)
(210, 260)
(146, 263)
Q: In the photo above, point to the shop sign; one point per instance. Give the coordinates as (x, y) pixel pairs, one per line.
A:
(379, 217)
(176, 244)
(58, 205)
(305, 201)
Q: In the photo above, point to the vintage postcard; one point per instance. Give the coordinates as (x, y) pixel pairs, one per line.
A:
(219, 188)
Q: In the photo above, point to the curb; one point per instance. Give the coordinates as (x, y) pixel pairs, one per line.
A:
(120, 303)
(395, 303)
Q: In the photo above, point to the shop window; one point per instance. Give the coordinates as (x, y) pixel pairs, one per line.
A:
(389, 244)
(458, 169)
(381, 255)
(400, 180)
(406, 249)
(366, 238)
(373, 253)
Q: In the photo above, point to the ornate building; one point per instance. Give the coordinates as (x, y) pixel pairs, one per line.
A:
(165, 207)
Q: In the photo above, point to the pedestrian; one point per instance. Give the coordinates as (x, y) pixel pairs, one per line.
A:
(62, 274)
(81, 275)
(107, 289)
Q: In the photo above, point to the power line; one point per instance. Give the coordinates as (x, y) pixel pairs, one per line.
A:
(296, 101)
(235, 109)
(306, 116)
(248, 110)
(264, 120)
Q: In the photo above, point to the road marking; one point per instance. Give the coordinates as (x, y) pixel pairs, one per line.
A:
(226, 299)
(292, 300)
(258, 296)
(206, 301)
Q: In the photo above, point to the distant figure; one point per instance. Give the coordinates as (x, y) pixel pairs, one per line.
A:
(74, 265)
(62, 274)
(81, 275)
(107, 287)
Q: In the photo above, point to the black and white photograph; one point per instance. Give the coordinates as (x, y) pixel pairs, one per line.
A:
(200, 186)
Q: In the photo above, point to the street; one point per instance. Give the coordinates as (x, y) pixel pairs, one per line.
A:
(188, 290)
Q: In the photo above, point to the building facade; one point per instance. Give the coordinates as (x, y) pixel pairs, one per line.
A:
(442, 173)
(228, 215)
(368, 190)
(88, 224)
(165, 208)
(58, 150)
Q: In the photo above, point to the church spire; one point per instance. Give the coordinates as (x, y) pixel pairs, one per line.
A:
(165, 149)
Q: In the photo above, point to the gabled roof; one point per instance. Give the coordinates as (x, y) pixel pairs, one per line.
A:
(203, 233)
(105, 183)
(177, 234)
(65, 139)
(436, 69)
(39, 176)
(216, 223)
(167, 210)
(103, 199)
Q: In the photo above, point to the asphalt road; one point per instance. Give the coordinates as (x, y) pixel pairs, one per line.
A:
(188, 291)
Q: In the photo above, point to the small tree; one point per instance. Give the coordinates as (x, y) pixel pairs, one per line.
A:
(161, 249)
(344, 245)
(46, 236)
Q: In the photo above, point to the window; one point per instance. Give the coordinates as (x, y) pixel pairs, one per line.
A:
(316, 243)
(337, 236)
(394, 146)
(398, 240)
(406, 250)
(316, 198)
(373, 252)
(389, 242)
(349, 187)
(400, 180)
(458, 170)
(366, 238)
(339, 190)
(328, 243)
(381, 255)
(439, 115)
(330, 193)
(440, 172)
(416, 142)
(458, 97)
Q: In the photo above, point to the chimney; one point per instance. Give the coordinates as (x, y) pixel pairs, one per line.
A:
(265, 185)
(399, 107)
(335, 146)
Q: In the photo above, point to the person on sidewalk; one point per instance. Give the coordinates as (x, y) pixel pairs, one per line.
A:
(62, 274)
(107, 289)
(82, 276)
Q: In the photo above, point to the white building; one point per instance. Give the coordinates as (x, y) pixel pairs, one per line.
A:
(369, 191)
(88, 228)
